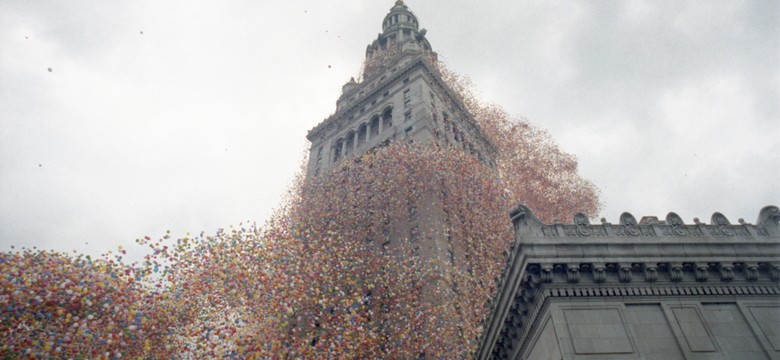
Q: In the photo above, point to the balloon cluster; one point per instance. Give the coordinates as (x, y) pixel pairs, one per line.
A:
(327, 276)
(392, 254)
(533, 169)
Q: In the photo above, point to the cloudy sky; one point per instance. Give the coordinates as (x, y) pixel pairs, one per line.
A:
(126, 118)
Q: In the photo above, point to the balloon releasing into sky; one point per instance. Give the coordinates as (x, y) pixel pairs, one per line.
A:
(330, 275)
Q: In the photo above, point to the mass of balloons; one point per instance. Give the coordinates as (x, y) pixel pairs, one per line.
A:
(335, 273)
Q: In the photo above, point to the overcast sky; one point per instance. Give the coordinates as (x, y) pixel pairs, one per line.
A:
(192, 115)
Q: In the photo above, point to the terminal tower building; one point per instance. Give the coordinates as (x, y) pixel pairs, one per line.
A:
(401, 97)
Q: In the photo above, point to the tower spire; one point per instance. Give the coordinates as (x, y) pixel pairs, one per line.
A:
(400, 29)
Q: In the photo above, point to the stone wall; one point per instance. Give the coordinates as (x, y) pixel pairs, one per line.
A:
(638, 290)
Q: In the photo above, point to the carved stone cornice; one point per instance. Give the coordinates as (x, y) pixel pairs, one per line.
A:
(667, 280)
(645, 259)
(673, 226)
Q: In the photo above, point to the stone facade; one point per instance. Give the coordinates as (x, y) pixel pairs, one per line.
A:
(400, 97)
(638, 290)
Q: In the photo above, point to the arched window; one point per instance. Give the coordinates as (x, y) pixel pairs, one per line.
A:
(387, 118)
(361, 134)
(350, 143)
(319, 156)
(374, 125)
(337, 149)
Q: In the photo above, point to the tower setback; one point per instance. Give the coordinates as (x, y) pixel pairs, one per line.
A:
(400, 96)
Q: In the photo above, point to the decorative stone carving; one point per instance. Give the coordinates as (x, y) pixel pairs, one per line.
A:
(528, 296)
(599, 231)
(726, 272)
(630, 224)
(573, 273)
(624, 273)
(701, 273)
(583, 225)
(549, 231)
(599, 273)
(675, 272)
(570, 230)
(546, 273)
(772, 270)
(769, 215)
(723, 225)
(751, 271)
(651, 273)
(677, 224)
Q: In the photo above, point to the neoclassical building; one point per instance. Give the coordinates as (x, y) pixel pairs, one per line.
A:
(652, 289)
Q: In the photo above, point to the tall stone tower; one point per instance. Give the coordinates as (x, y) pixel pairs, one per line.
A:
(399, 97)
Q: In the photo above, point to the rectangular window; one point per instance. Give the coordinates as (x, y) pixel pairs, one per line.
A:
(408, 131)
(408, 116)
(407, 98)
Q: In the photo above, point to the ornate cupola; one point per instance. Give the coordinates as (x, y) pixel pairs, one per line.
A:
(401, 30)
(399, 16)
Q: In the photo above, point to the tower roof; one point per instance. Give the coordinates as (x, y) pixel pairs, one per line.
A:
(400, 26)
(399, 17)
